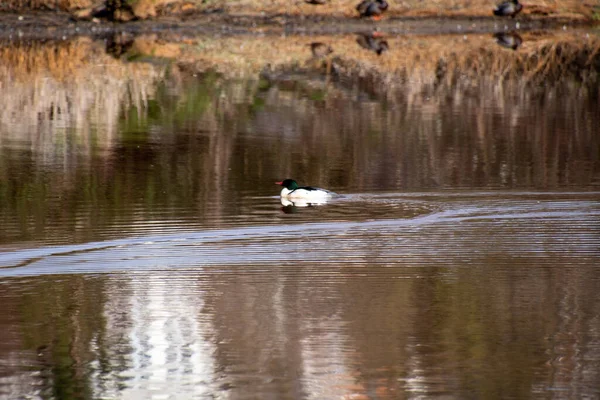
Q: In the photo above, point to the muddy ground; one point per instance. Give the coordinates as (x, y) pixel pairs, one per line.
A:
(60, 24)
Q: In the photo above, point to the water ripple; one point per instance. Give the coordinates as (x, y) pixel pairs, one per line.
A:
(463, 231)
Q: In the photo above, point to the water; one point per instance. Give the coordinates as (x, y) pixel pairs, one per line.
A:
(144, 251)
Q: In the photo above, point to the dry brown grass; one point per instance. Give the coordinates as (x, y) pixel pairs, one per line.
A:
(576, 9)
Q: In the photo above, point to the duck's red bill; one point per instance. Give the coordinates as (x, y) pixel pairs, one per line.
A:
(278, 183)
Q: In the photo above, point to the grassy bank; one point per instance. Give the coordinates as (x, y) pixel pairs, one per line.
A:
(566, 9)
(429, 8)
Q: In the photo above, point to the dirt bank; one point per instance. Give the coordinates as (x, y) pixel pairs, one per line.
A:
(47, 18)
(56, 25)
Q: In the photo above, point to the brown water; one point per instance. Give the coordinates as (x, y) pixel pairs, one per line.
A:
(144, 251)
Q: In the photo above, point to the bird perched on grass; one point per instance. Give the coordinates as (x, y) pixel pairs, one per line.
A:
(372, 8)
(508, 9)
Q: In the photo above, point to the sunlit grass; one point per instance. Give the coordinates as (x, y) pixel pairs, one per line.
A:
(144, 8)
(572, 8)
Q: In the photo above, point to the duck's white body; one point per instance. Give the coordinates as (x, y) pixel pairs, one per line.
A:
(309, 195)
(303, 195)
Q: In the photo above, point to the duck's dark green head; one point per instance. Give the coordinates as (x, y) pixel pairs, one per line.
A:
(289, 184)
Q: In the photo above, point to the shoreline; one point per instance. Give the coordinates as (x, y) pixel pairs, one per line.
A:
(49, 25)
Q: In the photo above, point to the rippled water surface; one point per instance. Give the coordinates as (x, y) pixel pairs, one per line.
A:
(144, 251)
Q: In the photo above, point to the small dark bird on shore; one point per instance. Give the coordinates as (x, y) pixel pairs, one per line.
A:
(373, 41)
(320, 50)
(372, 8)
(508, 9)
(316, 2)
(510, 40)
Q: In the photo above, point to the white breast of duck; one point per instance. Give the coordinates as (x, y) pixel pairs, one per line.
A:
(291, 191)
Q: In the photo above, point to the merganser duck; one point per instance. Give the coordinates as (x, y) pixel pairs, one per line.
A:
(508, 9)
(303, 195)
(372, 8)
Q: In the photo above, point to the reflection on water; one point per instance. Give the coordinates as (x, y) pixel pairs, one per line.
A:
(465, 312)
(144, 146)
(374, 42)
(145, 251)
(511, 40)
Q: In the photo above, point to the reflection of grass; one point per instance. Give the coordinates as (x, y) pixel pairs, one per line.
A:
(168, 110)
(77, 84)
(51, 319)
(89, 118)
(197, 97)
(73, 84)
(258, 104)
(418, 60)
(317, 95)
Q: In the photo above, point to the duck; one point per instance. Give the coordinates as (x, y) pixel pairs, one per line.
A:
(372, 8)
(373, 41)
(510, 40)
(508, 9)
(302, 195)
